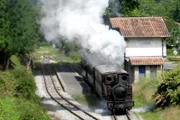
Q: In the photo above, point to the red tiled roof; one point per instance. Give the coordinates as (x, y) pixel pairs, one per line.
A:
(146, 60)
(140, 26)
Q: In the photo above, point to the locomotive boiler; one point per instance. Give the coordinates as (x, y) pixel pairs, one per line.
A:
(111, 83)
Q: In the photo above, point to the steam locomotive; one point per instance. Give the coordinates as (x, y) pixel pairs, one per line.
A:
(111, 83)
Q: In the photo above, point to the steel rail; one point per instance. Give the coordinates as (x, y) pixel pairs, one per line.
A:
(64, 97)
(72, 103)
(59, 80)
(55, 99)
(127, 114)
(130, 115)
(114, 117)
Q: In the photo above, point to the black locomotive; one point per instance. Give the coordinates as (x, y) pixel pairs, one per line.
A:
(111, 83)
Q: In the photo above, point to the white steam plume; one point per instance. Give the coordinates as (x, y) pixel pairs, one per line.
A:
(80, 21)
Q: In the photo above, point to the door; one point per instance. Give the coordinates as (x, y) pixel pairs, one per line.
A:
(142, 71)
(153, 72)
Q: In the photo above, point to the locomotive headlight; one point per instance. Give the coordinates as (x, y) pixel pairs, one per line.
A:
(119, 92)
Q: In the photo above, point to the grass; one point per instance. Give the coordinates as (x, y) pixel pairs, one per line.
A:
(56, 55)
(171, 113)
(46, 50)
(18, 100)
(12, 108)
(15, 60)
(73, 57)
(153, 115)
(143, 92)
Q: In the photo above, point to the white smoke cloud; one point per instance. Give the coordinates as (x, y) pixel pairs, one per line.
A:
(80, 21)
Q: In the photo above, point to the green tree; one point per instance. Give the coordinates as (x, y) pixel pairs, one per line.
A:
(127, 6)
(120, 8)
(176, 13)
(168, 9)
(19, 30)
(124, 7)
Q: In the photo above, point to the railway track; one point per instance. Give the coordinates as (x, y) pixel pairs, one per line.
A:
(128, 116)
(56, 93)
(120, 117)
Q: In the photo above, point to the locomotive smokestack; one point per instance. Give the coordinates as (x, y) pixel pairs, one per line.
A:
(80, 22)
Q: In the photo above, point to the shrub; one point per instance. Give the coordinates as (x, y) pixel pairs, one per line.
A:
(170, 52)
(15, 61)
(7, 84)
(26, 86)
(168, 91)
(29, 111)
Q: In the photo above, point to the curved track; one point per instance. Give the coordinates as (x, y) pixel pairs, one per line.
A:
(55, 93)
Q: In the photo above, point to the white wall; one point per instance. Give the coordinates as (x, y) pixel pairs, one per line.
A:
(145, 47)
(164, 48)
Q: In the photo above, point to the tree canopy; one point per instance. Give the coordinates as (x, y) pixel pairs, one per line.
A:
(18, 27)
(168, 9)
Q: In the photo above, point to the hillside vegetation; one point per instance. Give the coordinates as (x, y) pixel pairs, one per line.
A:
(18, 100)
(160, 98)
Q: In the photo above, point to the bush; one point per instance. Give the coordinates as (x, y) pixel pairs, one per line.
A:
(15, 61)
(7, 84)
(29, 111)
(170, 52)
(26, 86)
(18, 100)
(168, 91)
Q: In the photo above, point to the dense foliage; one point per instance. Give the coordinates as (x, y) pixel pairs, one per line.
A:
(25, 87)
(168, 9)
(168, 91)
(127, 6)
(18, 100)
(18, 27)
(144, 102)
(18, 83)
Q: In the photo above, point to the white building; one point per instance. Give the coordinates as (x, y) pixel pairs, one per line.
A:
(146, 47)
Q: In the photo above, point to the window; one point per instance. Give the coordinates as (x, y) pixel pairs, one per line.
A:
(142, 71)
